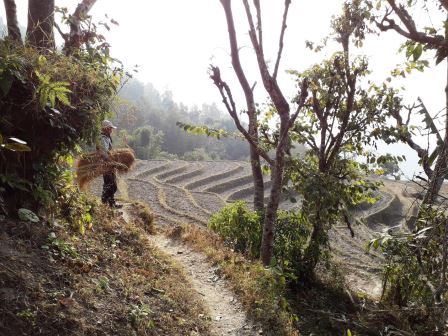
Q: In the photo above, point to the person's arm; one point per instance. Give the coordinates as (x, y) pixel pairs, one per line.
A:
(103, 148)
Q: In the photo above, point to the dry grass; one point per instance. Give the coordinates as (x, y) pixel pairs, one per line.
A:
(111, 281)
(142, 213)
(92, 165)
(260, 290)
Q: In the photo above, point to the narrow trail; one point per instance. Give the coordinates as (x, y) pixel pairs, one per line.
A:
(226, 313)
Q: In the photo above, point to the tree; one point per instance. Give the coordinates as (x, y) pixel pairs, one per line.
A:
(339, 119)
(282, 107)
(39, 33)
(146, 142)
(11, 19)
(251, 109)
(419, 40)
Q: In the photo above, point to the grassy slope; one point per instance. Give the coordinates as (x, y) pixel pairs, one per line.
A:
(326, 307)
(109, 282)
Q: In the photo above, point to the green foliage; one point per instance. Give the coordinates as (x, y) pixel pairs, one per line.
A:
(240, 227)
(242, 230)
(49, 105)
(328, 197)
(291, 238)
(204, 130)
(49, 91)
(59, 247)
(388, 165)
(139, 316)
(146, 142)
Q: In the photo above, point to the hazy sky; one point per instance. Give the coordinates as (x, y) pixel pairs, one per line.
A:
(174, 41)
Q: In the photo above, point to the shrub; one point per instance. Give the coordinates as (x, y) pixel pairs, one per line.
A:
(241, 229)
(291, 236)
(53, 102)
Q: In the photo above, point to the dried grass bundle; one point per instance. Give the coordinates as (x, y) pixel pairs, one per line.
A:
(92, 165)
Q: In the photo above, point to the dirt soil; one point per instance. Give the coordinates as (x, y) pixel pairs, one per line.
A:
(111, 281)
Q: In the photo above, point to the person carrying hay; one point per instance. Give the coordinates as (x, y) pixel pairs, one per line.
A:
(104, 147)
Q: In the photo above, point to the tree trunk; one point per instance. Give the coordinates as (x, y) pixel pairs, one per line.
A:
(39, 33)
(313, 251)
(267, 242)
(11, 19)
(258, 180)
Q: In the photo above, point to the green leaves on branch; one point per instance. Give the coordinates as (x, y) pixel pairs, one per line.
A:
(204, 130)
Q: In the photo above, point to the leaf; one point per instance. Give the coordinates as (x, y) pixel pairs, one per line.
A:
(349, 333)
(62, 97)
(1, 139)
(429, 120)
(27, 215)
(441, 54)
(417, 52)
(16, 147)
(17, 140)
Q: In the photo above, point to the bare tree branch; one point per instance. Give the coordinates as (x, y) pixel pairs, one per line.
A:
(406, 137)
(282, 35)
(410, 30)
(269, 82)
(259, 23)
(229, 103)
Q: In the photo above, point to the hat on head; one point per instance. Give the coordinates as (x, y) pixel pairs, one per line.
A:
(108, 124)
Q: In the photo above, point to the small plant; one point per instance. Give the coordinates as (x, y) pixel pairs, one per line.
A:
(102, 284)
(139, 316)
(28, 315)
(59, 247)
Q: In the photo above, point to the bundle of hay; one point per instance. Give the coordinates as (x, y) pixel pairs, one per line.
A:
(92, 165)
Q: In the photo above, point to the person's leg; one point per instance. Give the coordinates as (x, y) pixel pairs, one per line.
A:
(113, 188)
(109, 188)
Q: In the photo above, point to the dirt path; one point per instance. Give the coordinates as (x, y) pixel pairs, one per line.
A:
(226, 313)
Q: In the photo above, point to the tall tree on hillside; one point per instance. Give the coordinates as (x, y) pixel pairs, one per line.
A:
(340, 119)
(398, 18)
(251, 111)
(11, 19)
(282, 107)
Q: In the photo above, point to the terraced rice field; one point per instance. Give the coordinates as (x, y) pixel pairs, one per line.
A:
(190, 192)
